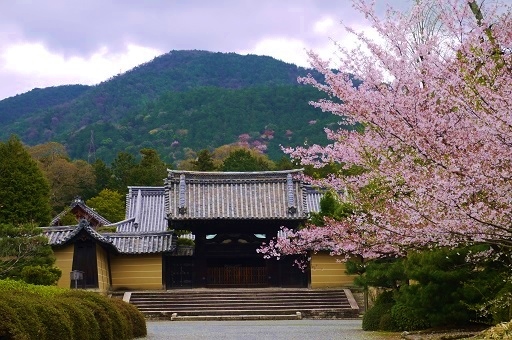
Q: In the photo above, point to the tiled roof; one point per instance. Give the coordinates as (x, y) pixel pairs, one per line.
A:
(145, 211)
(77, 202)
(235, 195)
(123, 243)
(61, 235)
(313, 196)
(143, 243)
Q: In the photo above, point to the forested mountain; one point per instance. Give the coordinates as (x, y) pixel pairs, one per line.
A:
(16, 107)
(180, 100)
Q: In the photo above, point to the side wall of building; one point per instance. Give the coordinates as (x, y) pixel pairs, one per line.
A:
(102, 262)
(328, 272)
(136, 272)
(64, 261)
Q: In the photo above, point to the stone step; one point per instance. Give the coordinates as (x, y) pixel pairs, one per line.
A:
(235, 303)
(237, 307)
(236, 292)
(296, 316)
(234, 298)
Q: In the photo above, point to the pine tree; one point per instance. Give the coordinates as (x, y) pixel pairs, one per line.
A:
(204, 161)
(24, 191)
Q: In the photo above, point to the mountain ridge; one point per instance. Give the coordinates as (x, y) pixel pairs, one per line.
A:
(122, 111)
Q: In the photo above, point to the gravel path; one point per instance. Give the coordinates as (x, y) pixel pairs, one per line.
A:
(261, 330)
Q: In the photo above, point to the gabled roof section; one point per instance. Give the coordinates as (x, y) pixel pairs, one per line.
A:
(81, 210)
(59, 236)
(121, 243)
(266, 195)
(145, 211)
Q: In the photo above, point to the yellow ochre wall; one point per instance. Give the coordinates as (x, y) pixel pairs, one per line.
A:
(136, 271)
(102, 262)
(327, 272)
(64, 261)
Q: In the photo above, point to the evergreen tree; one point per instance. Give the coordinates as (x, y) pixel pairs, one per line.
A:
(25, 254)
(24, 191)
(150, 171)
(103, 175)
(204, 161)
(122, 169)
(243, 160)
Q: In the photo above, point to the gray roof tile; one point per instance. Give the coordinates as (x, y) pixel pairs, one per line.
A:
(143, 243)
(145, 211)
(313, 196)
(235, 195)
(124, 243)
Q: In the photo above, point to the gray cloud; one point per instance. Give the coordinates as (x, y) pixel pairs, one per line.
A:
(81, 27)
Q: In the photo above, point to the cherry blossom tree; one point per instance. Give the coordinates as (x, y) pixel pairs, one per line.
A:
(435, 141)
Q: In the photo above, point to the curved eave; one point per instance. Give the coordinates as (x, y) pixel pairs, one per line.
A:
(237, 218)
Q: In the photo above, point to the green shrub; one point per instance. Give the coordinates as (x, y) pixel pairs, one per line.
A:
(24, 307)
(102, 318)
(41, 275)
(379, 316)
(387, 323)
(10, 325)
(182, 241)
(114, 325)
(407, 318)
(45, 312)
(373, 316)
(57, 322)
(135, 317)
(385, 298)
(20, 287)
(84, 324)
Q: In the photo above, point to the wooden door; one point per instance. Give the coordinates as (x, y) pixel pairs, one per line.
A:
(84, 260)
(181, 272)
(237, 276)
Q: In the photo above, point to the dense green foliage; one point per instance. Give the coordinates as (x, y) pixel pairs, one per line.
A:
(243, 160)
(26, 255)
(183, 99)
(24, 190)
(379, 316)
(331, 206)
(37, 312)
(109, 204)
(67, 178)
(204, 161)
(437, 288)
(16, 107)
(127, 170)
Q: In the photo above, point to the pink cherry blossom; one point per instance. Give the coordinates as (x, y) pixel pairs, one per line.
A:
(437, 116)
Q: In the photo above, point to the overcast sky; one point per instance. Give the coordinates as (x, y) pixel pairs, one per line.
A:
(52, 42)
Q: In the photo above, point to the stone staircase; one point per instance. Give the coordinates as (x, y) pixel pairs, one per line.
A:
(245, 304)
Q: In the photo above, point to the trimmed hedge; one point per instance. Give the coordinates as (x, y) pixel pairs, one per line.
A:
(408, 319)
(135, 319)
(41, 312)
(374, 319)
(379, 318)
